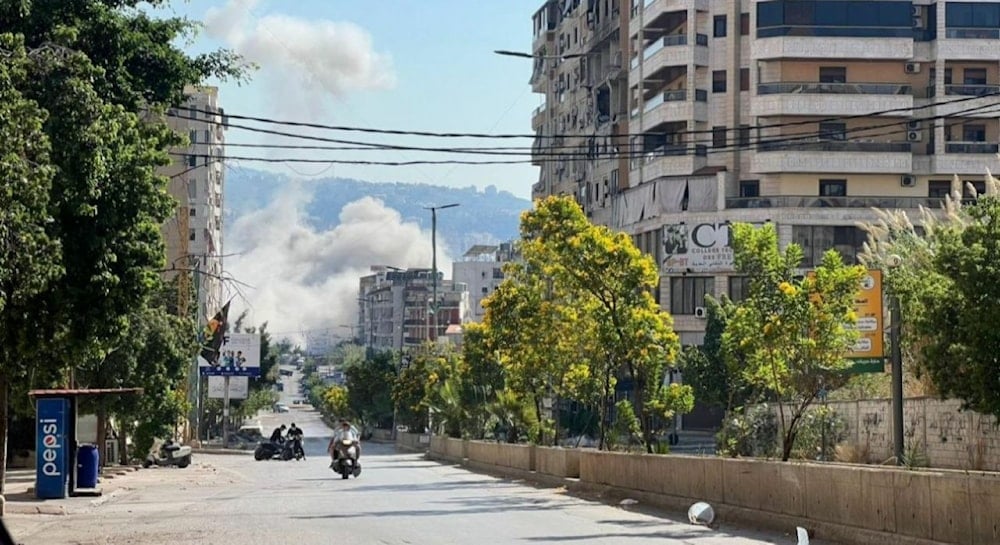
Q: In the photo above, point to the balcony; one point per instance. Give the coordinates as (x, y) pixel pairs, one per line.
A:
(823, 99)
(672, 106)
(834, 157)
(671, 50)
(538, 117)
(674, 160)
(960, 100)
(961, 158)
(655, 10)
(970, 44)
(666, 41)
(813, 201)
(971, 147)
(809, 43)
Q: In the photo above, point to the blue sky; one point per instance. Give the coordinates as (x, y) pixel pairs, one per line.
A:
(418, 64)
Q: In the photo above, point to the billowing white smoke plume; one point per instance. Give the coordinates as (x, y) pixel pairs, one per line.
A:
(305, 282)
(302, 61)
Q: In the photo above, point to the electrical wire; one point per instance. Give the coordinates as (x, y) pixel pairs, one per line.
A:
(401, 132)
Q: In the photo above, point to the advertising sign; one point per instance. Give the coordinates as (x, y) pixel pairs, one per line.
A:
(239, 387)
(51, 448)
(699, 247)
(869, 352)
(239, 356)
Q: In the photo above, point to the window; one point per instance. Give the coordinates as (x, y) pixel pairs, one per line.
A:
(744, 135)
(744, 24)
(719, 81)
(833, 188)
(749, 188)
(975, 76)
(938, 189)
(974, 133)
(744, 79)
(193, 137)
(192, 188)
(497, 272)
(192, 160)
(193, 212)
(208, 136)
(719, 137)
(979, 187)
(688, 292)
(719, 25)
(833, 131)
(739, 288)
(192, 112)
(816, 240)
(192, 234)
(855, 18)
(486, 290)
(972, 15)
(833, 74)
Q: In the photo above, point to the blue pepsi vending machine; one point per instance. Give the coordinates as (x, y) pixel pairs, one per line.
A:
(52, 448)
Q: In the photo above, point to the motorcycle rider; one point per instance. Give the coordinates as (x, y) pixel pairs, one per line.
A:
(276, 436)
(346, 432)
(295, 434)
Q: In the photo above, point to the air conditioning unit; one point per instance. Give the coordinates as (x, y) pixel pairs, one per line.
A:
(916, 11)
(913, 125)
(908, 181)
(914, 136)
(918, 22)
(700, 312)
(912, 68)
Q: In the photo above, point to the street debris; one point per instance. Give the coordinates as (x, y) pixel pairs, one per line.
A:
(701, 513)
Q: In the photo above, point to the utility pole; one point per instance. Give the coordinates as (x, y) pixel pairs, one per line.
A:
(434, 272)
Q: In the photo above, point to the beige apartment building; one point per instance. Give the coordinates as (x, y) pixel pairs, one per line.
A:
(193, 236)
(683, 116)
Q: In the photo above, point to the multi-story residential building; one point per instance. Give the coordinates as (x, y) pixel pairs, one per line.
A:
(193, 235)
(481, 270)
(802, 113)
(396, 308)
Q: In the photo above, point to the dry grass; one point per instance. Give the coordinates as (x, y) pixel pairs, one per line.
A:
(852, 453)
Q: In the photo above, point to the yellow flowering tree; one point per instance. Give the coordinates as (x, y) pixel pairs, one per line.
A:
(789, 337)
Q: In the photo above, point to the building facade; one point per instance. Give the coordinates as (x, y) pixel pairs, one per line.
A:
(802, 113)
(481, 270)
(395, 308)
(193, 235)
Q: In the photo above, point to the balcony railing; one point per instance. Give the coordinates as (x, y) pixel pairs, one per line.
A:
(813, 201)
(971, 90)
(836, 146)
(675, 95)
(813, 87)
(672, 150)
(973, 33)
(538, 110)
(971, 147)
(667, 41)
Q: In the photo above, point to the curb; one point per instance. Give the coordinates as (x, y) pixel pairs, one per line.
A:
(17, 508)
(232, 452)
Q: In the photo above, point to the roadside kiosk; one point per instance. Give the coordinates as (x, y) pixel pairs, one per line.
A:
(56, 447)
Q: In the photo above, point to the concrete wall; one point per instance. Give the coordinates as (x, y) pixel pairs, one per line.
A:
(502, 454)
(950, 438)
(558, 462)
(413, 441)
(946, 507)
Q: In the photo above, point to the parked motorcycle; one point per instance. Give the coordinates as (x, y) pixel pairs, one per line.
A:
(268, 450)
(168, 453)
(347, 463)
(292, 448)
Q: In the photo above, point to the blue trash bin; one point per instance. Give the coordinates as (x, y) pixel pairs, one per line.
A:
(87, 465)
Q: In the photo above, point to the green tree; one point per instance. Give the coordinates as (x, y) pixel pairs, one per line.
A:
(791, 334)
(706, 367)
(962, 309)
(335, 402)
(369, 389)
(409, 393)
(29, 258)
(484, 378)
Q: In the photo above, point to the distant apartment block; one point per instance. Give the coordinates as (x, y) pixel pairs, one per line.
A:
(481, 270)
(395, 308)
(670, 119)
(193, 235)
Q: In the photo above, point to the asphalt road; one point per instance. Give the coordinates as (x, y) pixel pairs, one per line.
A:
(398, 499)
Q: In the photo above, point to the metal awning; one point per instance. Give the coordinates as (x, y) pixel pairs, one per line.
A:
(84, 392)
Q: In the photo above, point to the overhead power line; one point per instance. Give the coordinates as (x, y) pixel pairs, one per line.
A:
(435, 134)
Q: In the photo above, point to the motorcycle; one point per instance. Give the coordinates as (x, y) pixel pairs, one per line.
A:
(347, 463)
(168, 453)
(292, 449)
(268, 450)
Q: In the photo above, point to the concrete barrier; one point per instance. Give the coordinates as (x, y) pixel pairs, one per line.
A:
(558, 462)
(415, 442)
(842, 503)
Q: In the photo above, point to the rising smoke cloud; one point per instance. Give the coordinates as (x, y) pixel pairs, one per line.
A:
(302, 61)
(305, 280)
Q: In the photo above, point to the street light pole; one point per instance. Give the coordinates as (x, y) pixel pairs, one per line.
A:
(434, 267)
(895, 314)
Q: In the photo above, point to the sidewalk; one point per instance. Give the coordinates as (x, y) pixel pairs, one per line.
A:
(20, 497)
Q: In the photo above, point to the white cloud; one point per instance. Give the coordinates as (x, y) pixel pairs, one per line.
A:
(307, 280)
(302, 61)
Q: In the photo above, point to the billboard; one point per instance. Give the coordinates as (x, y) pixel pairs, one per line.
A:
(868, 353)
(239, 387)
(698, 247)
(51, 448)
(239, 356)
